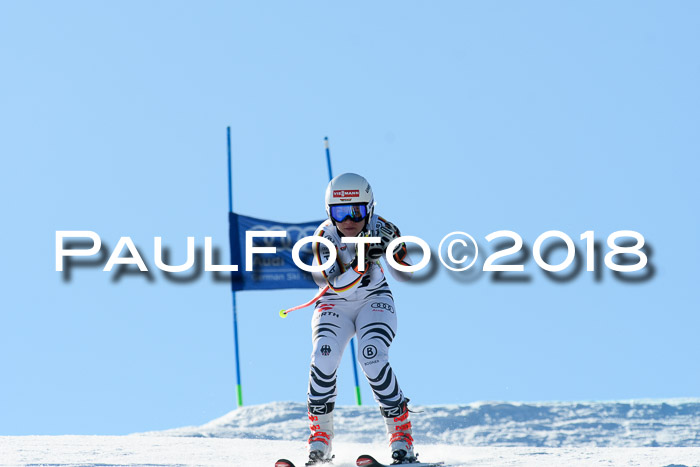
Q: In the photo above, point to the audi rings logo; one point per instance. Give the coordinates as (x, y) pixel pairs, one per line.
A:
(383, 306)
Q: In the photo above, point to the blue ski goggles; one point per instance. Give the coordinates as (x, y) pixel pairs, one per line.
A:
(356, 212)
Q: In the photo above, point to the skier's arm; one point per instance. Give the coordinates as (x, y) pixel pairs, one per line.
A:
(388, 232)
(336, 276)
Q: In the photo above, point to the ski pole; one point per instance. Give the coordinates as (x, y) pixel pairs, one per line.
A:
(284, 313)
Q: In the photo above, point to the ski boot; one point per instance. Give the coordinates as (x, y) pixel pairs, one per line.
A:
(320, 441)
(399, 428)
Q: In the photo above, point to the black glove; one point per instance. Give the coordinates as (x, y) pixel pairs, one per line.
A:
(375, 251)
(386, 233)
(356, 259)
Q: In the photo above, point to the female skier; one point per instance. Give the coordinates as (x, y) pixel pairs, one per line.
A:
(358, 301)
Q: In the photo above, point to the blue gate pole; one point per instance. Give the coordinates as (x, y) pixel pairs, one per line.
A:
(358, 394)
(239, 390)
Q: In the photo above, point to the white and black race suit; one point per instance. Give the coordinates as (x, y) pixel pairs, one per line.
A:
(357, 302)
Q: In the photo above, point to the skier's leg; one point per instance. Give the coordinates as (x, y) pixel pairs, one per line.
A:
(376, 328)
(398, 426)
(332, 328)
(331, 332)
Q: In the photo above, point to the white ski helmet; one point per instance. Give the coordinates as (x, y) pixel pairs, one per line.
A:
(349, 190)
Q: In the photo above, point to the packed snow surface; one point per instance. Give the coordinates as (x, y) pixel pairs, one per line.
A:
(637, 433)
(673, 423)
(155, 451)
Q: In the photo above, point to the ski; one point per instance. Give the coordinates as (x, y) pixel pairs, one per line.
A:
(365, 460)
(288, 463)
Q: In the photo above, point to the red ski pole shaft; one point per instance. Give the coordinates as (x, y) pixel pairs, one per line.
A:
(284, 313)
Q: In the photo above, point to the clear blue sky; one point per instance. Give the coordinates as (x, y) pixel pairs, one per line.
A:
(474, 116)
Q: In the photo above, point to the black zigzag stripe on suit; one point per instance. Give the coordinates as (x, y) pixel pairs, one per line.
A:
(379, 331)
(385, 386)
(322, 387)
(325, 330)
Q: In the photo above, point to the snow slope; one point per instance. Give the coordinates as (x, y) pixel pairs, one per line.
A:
(674, 423)
(636, 433)
(167, 451)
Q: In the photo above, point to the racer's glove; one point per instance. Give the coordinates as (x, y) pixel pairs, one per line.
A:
(375, 251)
(367, 259)
(387, 233)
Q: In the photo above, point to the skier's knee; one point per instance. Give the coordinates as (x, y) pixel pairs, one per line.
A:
(372, 357)
(326, 354)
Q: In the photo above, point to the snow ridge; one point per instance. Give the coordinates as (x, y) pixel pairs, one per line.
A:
(669, 423)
